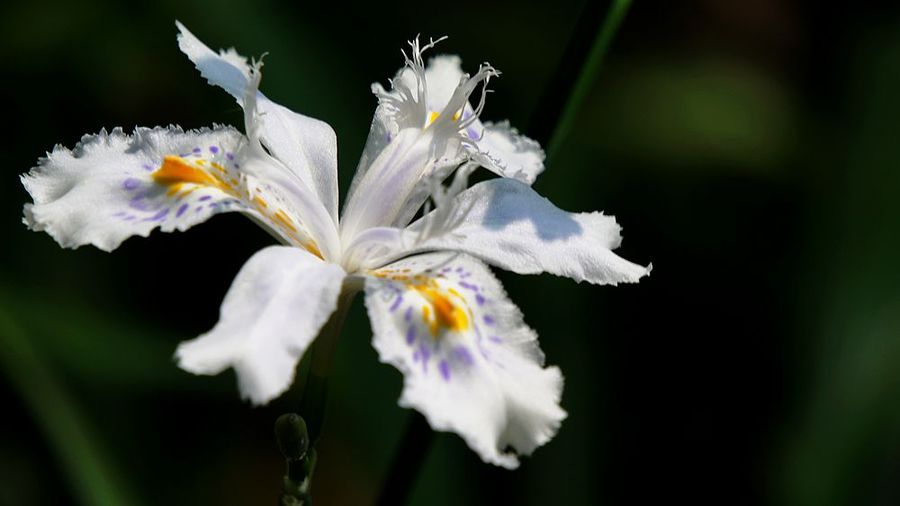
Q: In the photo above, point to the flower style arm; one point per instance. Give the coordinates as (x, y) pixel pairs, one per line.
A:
(306, 146)
(469, 362)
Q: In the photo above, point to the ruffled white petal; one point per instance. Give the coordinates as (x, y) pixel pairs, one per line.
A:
(307, 146)
(507, 224)
(504, 151)
(274, 309)
(469, 362)
(103, 191)
(442, 76)
(113, 186)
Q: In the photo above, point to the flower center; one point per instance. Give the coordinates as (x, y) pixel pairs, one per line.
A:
(447, 314)
(433, 115)
(176, 172)
(444, 309)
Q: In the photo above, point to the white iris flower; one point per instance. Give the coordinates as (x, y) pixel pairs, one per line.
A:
(470, 363)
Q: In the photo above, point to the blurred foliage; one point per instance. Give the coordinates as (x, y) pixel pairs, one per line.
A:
(846, 448)
(92, 479)
(705, 113)
(748, 149)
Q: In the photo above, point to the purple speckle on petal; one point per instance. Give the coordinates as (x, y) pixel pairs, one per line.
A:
(147, 167)
(161, 215)
(425, 354)
(181, 210)
(130, 184)
(495, 339)
(445, 370)
(479, 299)
(408, 315)
(198, 209)
(229, 156)
(205, 198)
(397, 300)
(213, 149)
(410, 335)
(488, 319)
(463, 355)
(140, 202)
(196, 150)
(468, 286)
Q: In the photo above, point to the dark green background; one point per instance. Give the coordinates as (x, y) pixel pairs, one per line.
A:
(751, 151)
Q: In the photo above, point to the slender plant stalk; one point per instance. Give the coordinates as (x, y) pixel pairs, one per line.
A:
(576, 75)
(297, 434)
(312, 404)
(550, 127)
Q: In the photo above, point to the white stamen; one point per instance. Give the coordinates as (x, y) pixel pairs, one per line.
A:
(408, 106)
(448, 119)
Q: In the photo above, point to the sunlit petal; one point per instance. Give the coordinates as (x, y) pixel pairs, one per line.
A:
(507, 224)
(113, 186)
(469, 362)
(272, 312)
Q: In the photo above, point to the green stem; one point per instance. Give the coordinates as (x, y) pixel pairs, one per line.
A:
(298, 434)
(312, 404)
(586, 77)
